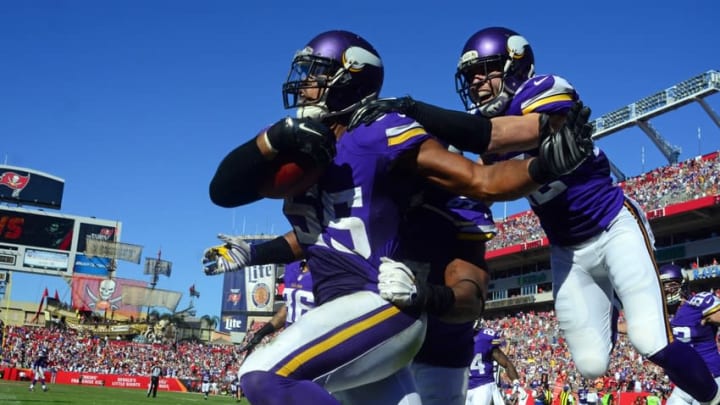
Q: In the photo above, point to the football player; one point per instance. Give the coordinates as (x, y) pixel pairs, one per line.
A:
(205, 381)
(600, 239)
(298, 299)
(442, 237)
(235, 390)
(38, 368)
(350, 219)
(449, 236)
(482, 388)
(695, 322)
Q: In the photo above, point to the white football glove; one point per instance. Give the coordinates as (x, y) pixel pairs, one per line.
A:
(396, 283)
(520, 390)
(233, 255)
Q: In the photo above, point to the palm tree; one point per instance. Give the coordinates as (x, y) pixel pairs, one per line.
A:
(209, 323)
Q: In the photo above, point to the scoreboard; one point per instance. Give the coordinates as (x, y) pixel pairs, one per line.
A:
(35, 241)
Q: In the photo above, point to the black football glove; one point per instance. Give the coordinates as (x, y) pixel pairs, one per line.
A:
(374, 109)
(257, 337)
(250, 345)
(563, 151)
(303, 135)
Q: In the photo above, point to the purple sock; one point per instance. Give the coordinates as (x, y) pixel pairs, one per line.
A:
(265, 388)
(684, 366)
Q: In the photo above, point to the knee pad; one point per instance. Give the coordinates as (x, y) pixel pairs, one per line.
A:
(592, 365)
(646, 343)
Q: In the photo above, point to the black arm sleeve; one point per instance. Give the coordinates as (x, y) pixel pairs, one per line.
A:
(277, 250)
(465, 131)
(236, 180)
(438, 299)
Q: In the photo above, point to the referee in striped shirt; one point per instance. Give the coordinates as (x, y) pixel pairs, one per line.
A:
(155, 374)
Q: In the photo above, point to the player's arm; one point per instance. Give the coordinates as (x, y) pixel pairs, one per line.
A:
(237, 178)
(559, 154)
(513, 133)
(469, 132)
(507, 180)
(468, 279)
(469, 284)
(502, 359)
(276, 322)
(548, 97)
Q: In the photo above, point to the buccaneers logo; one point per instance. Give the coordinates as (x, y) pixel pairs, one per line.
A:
(15, 182)
(234, 296)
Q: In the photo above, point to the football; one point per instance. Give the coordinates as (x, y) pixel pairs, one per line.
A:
(290, 174)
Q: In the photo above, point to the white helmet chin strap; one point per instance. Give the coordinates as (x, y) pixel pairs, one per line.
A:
(496, 106)
(319, 111)
(314, 112)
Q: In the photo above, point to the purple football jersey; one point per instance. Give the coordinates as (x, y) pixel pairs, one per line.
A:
(351, 218)
(587, 198)
(481, 368)
(688, 328)
(436, 231)
(298, 293)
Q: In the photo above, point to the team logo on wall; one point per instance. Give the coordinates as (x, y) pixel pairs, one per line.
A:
(30, 187)
(15, 181)
(234, 296)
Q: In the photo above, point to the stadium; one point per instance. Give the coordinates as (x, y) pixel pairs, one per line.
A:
(682, 203)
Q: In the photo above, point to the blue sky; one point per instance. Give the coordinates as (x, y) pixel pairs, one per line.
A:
(134, 103)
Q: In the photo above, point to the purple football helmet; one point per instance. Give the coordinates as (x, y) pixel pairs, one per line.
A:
(494, 49)
(674, 284)
(342, 66)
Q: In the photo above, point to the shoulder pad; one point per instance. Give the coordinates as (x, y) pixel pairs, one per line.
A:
(543, 94)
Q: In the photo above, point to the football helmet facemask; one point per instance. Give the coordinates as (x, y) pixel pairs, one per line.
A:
(332, 76)
(494, 52)
(674, 283)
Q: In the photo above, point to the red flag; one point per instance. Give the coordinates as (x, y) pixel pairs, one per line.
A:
(194, 292)
(42, 301)
(57, 296)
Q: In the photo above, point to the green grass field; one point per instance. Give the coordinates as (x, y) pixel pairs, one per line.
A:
(13, 392)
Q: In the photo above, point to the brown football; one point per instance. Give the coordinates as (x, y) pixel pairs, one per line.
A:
(290, 174)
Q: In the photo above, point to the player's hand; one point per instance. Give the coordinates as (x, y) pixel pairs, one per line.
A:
(233, 255)
(303, 135)
(519, 390)
(563, 151)
(396, 283)
(374, 109)
(250, 345)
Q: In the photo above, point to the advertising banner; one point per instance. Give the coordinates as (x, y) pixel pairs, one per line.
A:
(113, 250)
(118, 381)
(96, 266)
(143, 296)
(36, 230)
(103, 295)
(260, 287)
(156, 266)
(233, 295)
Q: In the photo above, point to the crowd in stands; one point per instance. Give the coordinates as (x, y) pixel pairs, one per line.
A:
(667, 185)
(533, 343)
(530, 339)
(75, 351)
